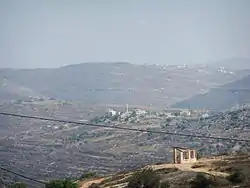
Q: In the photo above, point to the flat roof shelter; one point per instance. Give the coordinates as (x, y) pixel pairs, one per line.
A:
(184, 155)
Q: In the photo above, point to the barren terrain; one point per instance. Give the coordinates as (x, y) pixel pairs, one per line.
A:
(48, 150)
(218, 168)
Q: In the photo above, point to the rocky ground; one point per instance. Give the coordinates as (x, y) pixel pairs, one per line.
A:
(46, 150)
(217, 169)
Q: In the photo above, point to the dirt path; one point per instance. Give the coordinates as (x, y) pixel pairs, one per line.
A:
(182, 167)
(188, 167)
(88, 183)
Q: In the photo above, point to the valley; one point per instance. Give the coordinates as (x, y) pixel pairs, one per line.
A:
(48, 150)
(124, 95)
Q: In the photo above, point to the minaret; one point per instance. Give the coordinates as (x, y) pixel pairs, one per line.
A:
(127, 108)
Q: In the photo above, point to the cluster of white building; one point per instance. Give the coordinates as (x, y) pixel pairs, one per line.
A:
(138, 112)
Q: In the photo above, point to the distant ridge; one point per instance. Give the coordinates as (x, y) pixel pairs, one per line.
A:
(96, 63)
(234, 63)
(120, 82)
(221, 98)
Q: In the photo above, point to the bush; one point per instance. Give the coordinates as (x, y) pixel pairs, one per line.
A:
(202, 181)
(236, 177)
(115, 178)
(166, 170)
(88, 175)
(19, 185)
(160, 163)
(165, 185)
(199, 155)
(240, 152)
(198, 165)
(61, 184)
(146, 179)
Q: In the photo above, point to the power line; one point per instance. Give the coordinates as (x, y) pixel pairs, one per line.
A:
(123, 128)
(20, 175)
(3, 183)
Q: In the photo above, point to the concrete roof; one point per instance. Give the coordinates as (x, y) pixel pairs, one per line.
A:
(183, 149)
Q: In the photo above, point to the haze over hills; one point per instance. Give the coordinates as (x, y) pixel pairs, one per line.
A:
(47, 150)
(120, 82)
(221, 98)
(142, 66)
(234, 63)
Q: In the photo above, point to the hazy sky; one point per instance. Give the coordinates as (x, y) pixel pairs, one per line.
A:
(53, 33)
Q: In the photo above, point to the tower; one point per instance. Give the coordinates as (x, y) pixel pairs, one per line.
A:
(127, 108)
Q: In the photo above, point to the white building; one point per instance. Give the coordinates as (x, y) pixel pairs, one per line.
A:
(205, 115)
(185, 113)
(112, 112)
(169, 114)
(140, 112)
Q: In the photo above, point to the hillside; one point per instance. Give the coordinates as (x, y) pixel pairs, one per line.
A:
(220, 98)
(117, 83)
(214, 171)
(48, 150)
(221, 171)
(10, 91)
(234, 63)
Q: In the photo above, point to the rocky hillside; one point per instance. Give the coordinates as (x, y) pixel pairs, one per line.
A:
(117, 83)
(54, 150)
(220, 98)
(217, 172)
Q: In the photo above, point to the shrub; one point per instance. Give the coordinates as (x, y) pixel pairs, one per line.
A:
(166, 170)
(19, 185)
(146, 179)
(115, 178)
(199, 155)
(160, 163)
(61, 184)
(198, 165)
(240, 152)
(165, 185)
(236, 177)
(88, 175)
(202, 181)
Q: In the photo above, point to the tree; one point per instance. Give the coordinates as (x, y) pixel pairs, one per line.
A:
(88, 175)
(236, 177)
(19, 185)
(133, 114)
(202, 181)
(61, 184)
(165, 185)
(114, 118)
(145, 179)
(177, 113)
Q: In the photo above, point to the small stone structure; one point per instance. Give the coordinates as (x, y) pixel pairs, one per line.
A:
(184, 155)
